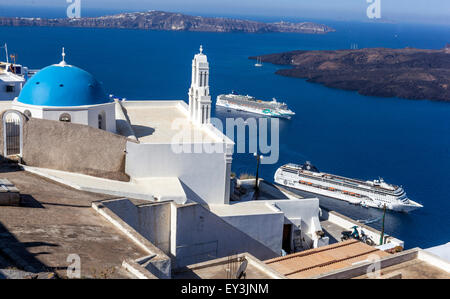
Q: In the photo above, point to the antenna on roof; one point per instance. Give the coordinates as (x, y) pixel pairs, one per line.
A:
(6, 52)
(241, 273)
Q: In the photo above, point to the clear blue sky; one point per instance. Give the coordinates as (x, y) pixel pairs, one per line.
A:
(399, 10)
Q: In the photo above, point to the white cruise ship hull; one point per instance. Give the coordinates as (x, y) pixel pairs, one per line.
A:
(296, 181)
(269, 112)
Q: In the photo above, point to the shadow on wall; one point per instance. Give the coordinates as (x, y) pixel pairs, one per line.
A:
(202, 235)
(71, 147)
(188, 233)
(191, 195)
(142, 131)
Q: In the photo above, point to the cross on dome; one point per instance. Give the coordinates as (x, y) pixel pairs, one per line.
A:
(201, 49)
(63, 54)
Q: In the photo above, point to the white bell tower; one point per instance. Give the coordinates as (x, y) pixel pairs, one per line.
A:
(199, 97)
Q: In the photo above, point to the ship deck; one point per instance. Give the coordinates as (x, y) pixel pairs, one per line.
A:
(353, 183)
(252, 102)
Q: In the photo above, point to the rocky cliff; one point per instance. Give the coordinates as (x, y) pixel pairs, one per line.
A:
(405, 73)
(159, 20)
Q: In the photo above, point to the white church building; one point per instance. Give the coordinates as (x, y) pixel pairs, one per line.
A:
(66, 93)
(172, 154)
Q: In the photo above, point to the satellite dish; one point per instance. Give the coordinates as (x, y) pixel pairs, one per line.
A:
(241, 271)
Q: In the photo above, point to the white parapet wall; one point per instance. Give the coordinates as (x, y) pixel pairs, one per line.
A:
(434, 260)
(258, 219)
(159, 265)
(123, 123)
(347, 223)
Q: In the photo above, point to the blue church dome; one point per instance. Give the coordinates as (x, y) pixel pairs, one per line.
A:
(63, 86)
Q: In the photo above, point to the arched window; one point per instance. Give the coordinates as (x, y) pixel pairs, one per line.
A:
(102, 120)
(27, 113)
(65, 117)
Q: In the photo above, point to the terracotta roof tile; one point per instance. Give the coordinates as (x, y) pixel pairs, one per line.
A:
(324, 259)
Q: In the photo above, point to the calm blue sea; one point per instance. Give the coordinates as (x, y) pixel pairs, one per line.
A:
(406, 142)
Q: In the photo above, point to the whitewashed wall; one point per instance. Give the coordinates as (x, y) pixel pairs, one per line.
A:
(307, 210)
(204, 175)
(77, 116)
(35, 112)
(84, 115)
(265, 228)
(154, 224)
(151, 221)
(8, 96)
(197, 235)
(110, 112)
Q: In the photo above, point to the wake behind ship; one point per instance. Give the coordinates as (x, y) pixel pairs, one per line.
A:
(250, 104)
(374, 194)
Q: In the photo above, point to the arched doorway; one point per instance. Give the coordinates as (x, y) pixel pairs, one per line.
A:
(102, 120)
(12, 133)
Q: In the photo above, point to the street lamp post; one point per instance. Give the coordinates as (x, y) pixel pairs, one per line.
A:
(382, 229)
(258, 162)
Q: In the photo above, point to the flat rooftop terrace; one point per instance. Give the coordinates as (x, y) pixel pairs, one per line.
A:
(162, 121)
(54, 221)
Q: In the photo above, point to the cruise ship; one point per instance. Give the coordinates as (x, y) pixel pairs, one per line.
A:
(376, 194)
(250, 104)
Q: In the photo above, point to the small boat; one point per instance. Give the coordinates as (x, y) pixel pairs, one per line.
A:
(258, 62)
(364, 204)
